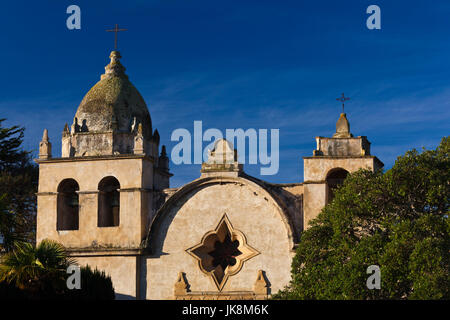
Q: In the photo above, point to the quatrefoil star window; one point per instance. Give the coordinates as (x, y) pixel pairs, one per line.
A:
(222, 252)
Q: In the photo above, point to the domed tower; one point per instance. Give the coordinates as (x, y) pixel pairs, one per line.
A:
(99, 197)
(108, 117)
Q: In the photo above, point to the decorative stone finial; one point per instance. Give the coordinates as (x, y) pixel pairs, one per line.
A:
(156, 138)
(261, 285)
(222, 159)
(66, 130)
(75, 126)
(163, 161)
(139, 141)
(181, 286)
(222, 153)
(66, 143)
(342, 127)
(163, 151)
(114, 68)
(45, 147)
(45, 136)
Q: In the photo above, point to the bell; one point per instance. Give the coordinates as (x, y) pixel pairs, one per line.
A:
(73, 202)
(115, 200)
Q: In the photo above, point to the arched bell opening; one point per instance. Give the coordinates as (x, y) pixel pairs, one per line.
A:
(335, 179)
(67, 205)
(108, 202)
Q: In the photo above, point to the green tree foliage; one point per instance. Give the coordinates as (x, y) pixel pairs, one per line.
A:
(18, 185)
(95, 285)
(40, 273)
(397, 220)
(38, 270)
(8, 224)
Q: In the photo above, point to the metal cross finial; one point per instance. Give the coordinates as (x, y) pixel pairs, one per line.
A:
(116, 30)
(342, 99)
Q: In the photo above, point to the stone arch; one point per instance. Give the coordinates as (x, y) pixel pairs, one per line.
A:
(108, 212)
(154, 244)
(335, 177)
(67, 216)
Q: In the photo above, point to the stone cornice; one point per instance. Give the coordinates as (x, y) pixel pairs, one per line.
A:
(46, 193)
(135, 189)
(314, 182)
(97, 158)
(347, 157)
(101, 252)
(340, 157)
(97, 191)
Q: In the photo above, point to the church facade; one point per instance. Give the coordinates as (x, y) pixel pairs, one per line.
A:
(225, 235)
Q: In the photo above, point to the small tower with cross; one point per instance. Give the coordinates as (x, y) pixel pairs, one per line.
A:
(332, 160)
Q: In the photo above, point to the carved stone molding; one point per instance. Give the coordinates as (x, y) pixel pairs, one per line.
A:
(260, 292)
(222, 252)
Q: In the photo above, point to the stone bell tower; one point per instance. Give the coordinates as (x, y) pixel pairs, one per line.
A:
(332, 160)
(97, 199)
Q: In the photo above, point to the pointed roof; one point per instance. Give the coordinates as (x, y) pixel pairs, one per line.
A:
(342, 127)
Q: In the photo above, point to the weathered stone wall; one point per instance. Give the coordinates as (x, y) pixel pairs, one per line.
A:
(134, 201)
(92, 144)
(358, 146)
(250, 210)
(291, 196)
(295, 205)
(83, 144)
(317, 168)
(315, 197)
(121, 269)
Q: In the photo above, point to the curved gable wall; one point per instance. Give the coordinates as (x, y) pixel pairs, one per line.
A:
(196, 209)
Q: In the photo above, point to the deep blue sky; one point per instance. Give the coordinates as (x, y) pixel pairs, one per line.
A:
(238, 64)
